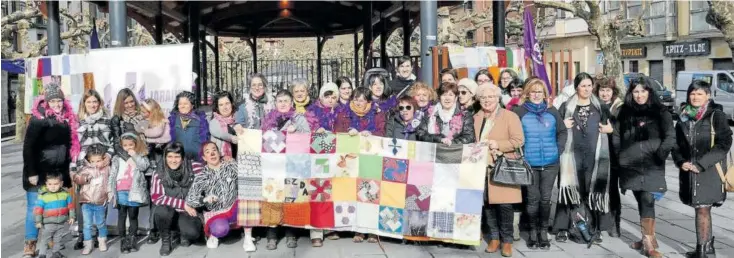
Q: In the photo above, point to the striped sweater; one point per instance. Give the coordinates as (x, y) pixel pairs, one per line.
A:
(53, 208)
(95, 128)
(158, 192)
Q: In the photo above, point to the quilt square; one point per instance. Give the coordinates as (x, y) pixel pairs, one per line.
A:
(296, 214)
(344, 189)
(249, 164)
(475, 153)
(395, 148)
(274, 165)
(250, 140)
(441, 225)
(347, 144)
(272, 213)
(392, 194)
(446, 175)
(370, 167)
(368, 191)
(368, 216)
(323, 143)
(371, 145)
(345, 214)
(467, 227)
(391, 220)
(418, 197)
(449, 154)
(248, 213)
(298, 143)
(319, 189)
(472, 176)
(298, 165)
(443, 199)
(320, 167)
(273, 190)
(421, 173)
(345, 164)
(395, 170)
(416, 223)
(249, 188)
(274, 141)
(295, 190)
(422, 151)
(469, 201)
(322, 214)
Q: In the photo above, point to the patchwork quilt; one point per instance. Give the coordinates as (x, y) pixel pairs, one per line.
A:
(383, 186)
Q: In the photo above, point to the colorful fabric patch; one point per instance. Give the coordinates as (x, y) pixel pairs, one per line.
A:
(471, 176)
(298, 166)
(395, 148)
(295, 190)
(320, 167)
(422, 151)
(322, 214)
(347, 144)
(443, 199)
(391, 220)
(344, 189)
(297, 214)
(274, 165)
(449, 154)
(345, 165)
(469, 201)
(368, 191)
(467, 227)
(345, 214)
(441, 224)
(273, 190)
(274, 141)
(371, 145)
(416, 223)
(272, 213)
(446, 175)
(421, 173)
(395, 170)
(298, 143)
(474, 153)
(322, 143)
(248, 213)
(418, 197)
(370, 167)
(392, 194)
(319, 190)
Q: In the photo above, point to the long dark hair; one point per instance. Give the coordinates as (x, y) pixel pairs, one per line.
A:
(186, 170)
(632, 114)
(386, 89)
(653, 101)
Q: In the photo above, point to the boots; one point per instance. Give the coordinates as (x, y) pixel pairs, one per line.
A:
(153, 236)
(506, 250)
(102, 242)
(165, 244)
(248, 243)
(708, 247)
(648, 244)
(124, 244)
(133, 243)
(87, 247)
(700, 252)
(544, 242)
(533, 239)
(615, 232)
(29, 248)
(79, 242)
(493, 245)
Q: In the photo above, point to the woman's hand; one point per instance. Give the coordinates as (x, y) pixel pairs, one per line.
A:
(688, 166)
(227, 158)
(189, 210)
(569, 122)
(210, 199)
(606, 128)
(131, 153)
(238, 129)
(33, 180)
(321, 130)
(446, 141)
(366, 133)
(493, 145)
(353, 132)
(291, 129)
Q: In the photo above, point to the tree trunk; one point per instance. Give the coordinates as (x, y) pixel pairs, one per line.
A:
(20, 116)
(609, 44)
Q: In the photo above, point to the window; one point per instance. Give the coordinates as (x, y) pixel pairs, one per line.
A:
(634, 9)
(5, 8)
(725, 83)
(469, 5)
(699, 9)
(39, 36)
(566, 71)
(634, 66)
(611, 7)
(577, 67)
(655, 20)
(470, 38)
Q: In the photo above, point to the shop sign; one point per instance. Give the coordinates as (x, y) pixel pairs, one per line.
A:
(690, 48)
(634, 51)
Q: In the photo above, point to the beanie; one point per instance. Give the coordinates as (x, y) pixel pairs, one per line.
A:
(53, 91)
(329, 86)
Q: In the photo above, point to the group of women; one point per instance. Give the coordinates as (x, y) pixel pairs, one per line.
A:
(591, 147)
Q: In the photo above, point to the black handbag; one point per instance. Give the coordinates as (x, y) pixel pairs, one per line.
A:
(509, 171)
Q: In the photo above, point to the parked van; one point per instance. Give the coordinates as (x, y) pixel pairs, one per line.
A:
(722, 87)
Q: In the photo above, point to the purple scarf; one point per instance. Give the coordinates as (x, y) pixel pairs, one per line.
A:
(325, 115)
(275, 119)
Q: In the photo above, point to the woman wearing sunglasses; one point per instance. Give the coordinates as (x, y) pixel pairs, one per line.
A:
(467, 89)
(445, 122)
(404, 125)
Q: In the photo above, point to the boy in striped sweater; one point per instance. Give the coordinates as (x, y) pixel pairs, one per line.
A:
(53, 210)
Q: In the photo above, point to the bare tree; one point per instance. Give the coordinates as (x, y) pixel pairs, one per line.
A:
(721, 16)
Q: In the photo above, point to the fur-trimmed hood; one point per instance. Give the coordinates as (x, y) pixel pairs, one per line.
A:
(41, 110)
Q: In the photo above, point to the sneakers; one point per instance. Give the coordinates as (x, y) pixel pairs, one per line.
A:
(248, 244)
(102, 242)
(212, 242)
(29, 248)
(87, 247)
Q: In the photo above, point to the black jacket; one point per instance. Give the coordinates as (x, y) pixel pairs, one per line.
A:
(396, 129)
(693, 144)
(120, 127)
(398, 84)
(46, 149)
(465, 136)
(642, 141)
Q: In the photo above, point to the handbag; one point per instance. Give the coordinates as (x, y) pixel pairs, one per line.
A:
(512, 171)
(726, 176)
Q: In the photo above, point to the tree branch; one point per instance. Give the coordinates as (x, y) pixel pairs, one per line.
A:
(556, 5)
(28, 13)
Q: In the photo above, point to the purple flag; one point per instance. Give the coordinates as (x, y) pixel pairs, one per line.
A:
(532, 49)
(94, 38)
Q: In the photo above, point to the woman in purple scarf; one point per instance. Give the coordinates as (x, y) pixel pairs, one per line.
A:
(188, 125)
(321, 115)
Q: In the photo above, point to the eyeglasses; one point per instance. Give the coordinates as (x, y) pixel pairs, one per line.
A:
(484, 98)
(406, 108)
(463, 92)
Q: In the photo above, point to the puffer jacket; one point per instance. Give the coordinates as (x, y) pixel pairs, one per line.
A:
(693, 144)
(139, 189)
(544, 142)
(94, 182)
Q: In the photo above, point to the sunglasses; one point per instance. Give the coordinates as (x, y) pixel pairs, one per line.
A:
(406, 108)
(463, 92)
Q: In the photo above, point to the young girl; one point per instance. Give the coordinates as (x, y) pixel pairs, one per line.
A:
(93, 195)
(157, 135)
(128, 181)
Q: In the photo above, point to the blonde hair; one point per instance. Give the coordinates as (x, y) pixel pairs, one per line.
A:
(141, 148)
(530, 85)
(156, 114)
(83, 109)
(418, 86)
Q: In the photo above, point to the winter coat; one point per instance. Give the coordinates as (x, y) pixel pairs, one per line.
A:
(251, 112)
(642, 141)
(344, 119)
(94, 183)
(119, 127)
(53, 208)
(49, 144)
(163, 196)
(544, 142)
(139, 189)
(157, 137)
(507, 132)
(396, 128)
(464, 136)
(693, 144)
(219, 136)
(95, 128)
(193, 135)
(399, 84)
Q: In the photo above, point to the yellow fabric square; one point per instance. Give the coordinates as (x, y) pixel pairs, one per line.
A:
(250, 141)
(392, 194)
(371, 145)
(344, 189)
(471, 176)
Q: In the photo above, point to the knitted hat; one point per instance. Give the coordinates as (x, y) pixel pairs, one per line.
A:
(469, 84)
(329, 86)
(53, 91)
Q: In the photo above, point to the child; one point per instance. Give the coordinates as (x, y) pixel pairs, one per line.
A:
(54, 208)
(127, 179)
(157, 135)
(93, 195)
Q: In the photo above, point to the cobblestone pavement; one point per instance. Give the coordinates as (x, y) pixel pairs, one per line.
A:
(675, 227)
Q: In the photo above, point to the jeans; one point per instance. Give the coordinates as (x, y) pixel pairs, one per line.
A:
(31, 232)
(167, 218)
(94, 215)
(538, 205)
(645, 204)
(499, 218)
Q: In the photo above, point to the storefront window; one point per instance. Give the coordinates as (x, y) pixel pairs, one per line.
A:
(699, 9)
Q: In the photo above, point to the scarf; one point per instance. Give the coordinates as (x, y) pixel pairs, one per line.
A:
(694, 113)
(447, 129)
(92, 118)
(256, 109)
(537, 109)
(42, 110)
(176, 181)
(598, 198)
(325, 116)
(275, 120)
(186, 118)
(224, 123)
(301, 105)
(362, 119)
